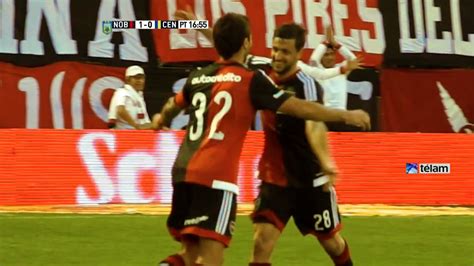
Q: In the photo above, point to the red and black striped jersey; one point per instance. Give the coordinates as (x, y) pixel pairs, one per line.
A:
(222, 99)
(287, 158)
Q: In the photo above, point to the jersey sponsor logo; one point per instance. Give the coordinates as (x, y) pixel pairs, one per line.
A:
(196, 220)
(228, 77)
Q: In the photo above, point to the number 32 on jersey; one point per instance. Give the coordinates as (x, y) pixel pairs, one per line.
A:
(200, 102)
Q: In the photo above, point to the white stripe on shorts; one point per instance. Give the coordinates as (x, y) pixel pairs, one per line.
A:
(224, 212)
(228, 210)
(335, 216)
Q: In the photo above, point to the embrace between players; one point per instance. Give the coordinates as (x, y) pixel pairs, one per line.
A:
(296, 168)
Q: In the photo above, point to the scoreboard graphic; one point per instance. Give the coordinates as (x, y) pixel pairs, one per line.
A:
(110, 26)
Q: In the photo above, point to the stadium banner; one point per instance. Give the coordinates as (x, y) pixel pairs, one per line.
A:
(427, 100)
(35, 33)
(60, 95)
(363, 91)
(428, 33)
(357, 24)
(77, 167)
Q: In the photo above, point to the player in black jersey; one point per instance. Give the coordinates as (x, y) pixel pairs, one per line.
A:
(296, 168)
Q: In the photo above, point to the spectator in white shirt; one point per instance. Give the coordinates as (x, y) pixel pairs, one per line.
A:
(127, 108)
(324, 56)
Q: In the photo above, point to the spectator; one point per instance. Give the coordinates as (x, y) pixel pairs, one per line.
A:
(127, 108)
(335, 88)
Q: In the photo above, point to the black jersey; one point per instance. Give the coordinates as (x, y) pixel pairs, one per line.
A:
(288, 159)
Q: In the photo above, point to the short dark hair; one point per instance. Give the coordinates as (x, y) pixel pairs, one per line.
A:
(291, 31)
(229, 34)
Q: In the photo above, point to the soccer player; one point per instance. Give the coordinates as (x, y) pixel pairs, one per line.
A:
(296, 168)
(222, 99)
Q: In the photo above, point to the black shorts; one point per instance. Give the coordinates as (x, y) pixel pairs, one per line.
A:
(313, 210)
(202, 211)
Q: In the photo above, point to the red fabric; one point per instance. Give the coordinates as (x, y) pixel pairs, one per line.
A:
(174, 233)
(201, 168)
(271, 168)
(75, 162)
(192, 49)
(329, 235)
(271, 217)
(180, 100)
(411, 100)
(59, 86)
(175, 260)
(193, 230)
(345, 256)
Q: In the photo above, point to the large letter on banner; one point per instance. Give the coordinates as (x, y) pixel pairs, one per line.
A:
(60, 95)
(439, 33)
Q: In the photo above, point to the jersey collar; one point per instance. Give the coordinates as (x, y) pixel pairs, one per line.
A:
(228, 62)
(277, 80)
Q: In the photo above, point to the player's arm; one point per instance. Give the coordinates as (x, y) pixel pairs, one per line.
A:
(188, 14)
(264, 95)
(170, 110)
(318, 112)
(316, 134)
(147, 125)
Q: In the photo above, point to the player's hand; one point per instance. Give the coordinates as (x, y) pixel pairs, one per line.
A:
(358, 118)
(354, 64)
(158, 123)
(186, 14)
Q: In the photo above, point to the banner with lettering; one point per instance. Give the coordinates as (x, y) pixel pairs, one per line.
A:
(357, 25)
(428, 33)
(59, 95)
(78, 167)
(35, 33)
(405, 33)
(427, 100)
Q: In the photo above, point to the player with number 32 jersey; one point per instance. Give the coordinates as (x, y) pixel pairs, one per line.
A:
(221, 115)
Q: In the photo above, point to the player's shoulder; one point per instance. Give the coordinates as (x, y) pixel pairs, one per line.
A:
(204, 70)
(305, 78)
(222, 67)
(258, 62)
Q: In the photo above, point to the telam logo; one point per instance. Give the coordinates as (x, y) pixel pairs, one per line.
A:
(411, 168)
(434, 168)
